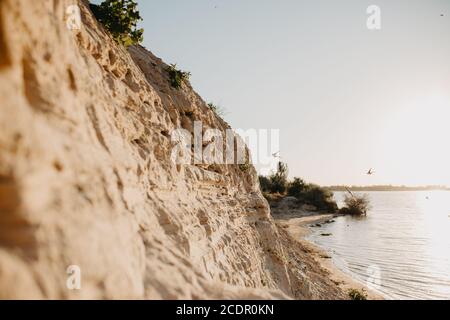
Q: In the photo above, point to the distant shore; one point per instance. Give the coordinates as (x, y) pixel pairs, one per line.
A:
(297, 227)
(387, 188)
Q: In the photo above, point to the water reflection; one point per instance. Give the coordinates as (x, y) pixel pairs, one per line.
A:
(406, 235)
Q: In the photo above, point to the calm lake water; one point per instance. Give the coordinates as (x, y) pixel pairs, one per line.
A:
(401, 249)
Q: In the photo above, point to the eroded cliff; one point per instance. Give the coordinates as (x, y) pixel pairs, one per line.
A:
(86, 178)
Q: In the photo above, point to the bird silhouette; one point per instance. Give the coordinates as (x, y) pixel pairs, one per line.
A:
(370, 172)
(276, 154)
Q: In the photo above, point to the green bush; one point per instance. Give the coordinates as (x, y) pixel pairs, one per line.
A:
(296, 188)
(264, 183)
(177, 77)
(355, 294)
(218, 110)
(356, 205)
(277, 182)
(311, 194)
(319, 197)
(120, 18)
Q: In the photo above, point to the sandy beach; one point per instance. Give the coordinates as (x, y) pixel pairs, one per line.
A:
(297, 227)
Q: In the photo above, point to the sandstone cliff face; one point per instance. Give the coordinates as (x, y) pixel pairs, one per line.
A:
(86, 178)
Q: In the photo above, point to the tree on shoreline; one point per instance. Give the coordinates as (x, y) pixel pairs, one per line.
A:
(356, 205)
(277, 182)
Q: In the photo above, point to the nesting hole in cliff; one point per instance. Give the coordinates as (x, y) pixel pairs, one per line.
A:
(58, 166)
(5, 58)
(140, 142)
(72, 81)
(47, 57)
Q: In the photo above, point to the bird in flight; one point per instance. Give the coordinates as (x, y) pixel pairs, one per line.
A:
(370, 172)
(276, 154)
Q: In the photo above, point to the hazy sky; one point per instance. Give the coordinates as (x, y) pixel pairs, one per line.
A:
(344, 97)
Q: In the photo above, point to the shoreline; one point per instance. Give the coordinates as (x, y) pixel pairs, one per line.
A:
(297, 227)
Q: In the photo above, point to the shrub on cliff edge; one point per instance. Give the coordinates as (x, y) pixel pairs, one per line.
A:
(355, 294)
(218, 110)
(177, 77)
(120, 18)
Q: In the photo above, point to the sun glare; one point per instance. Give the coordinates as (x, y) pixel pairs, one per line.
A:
(414, 138)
